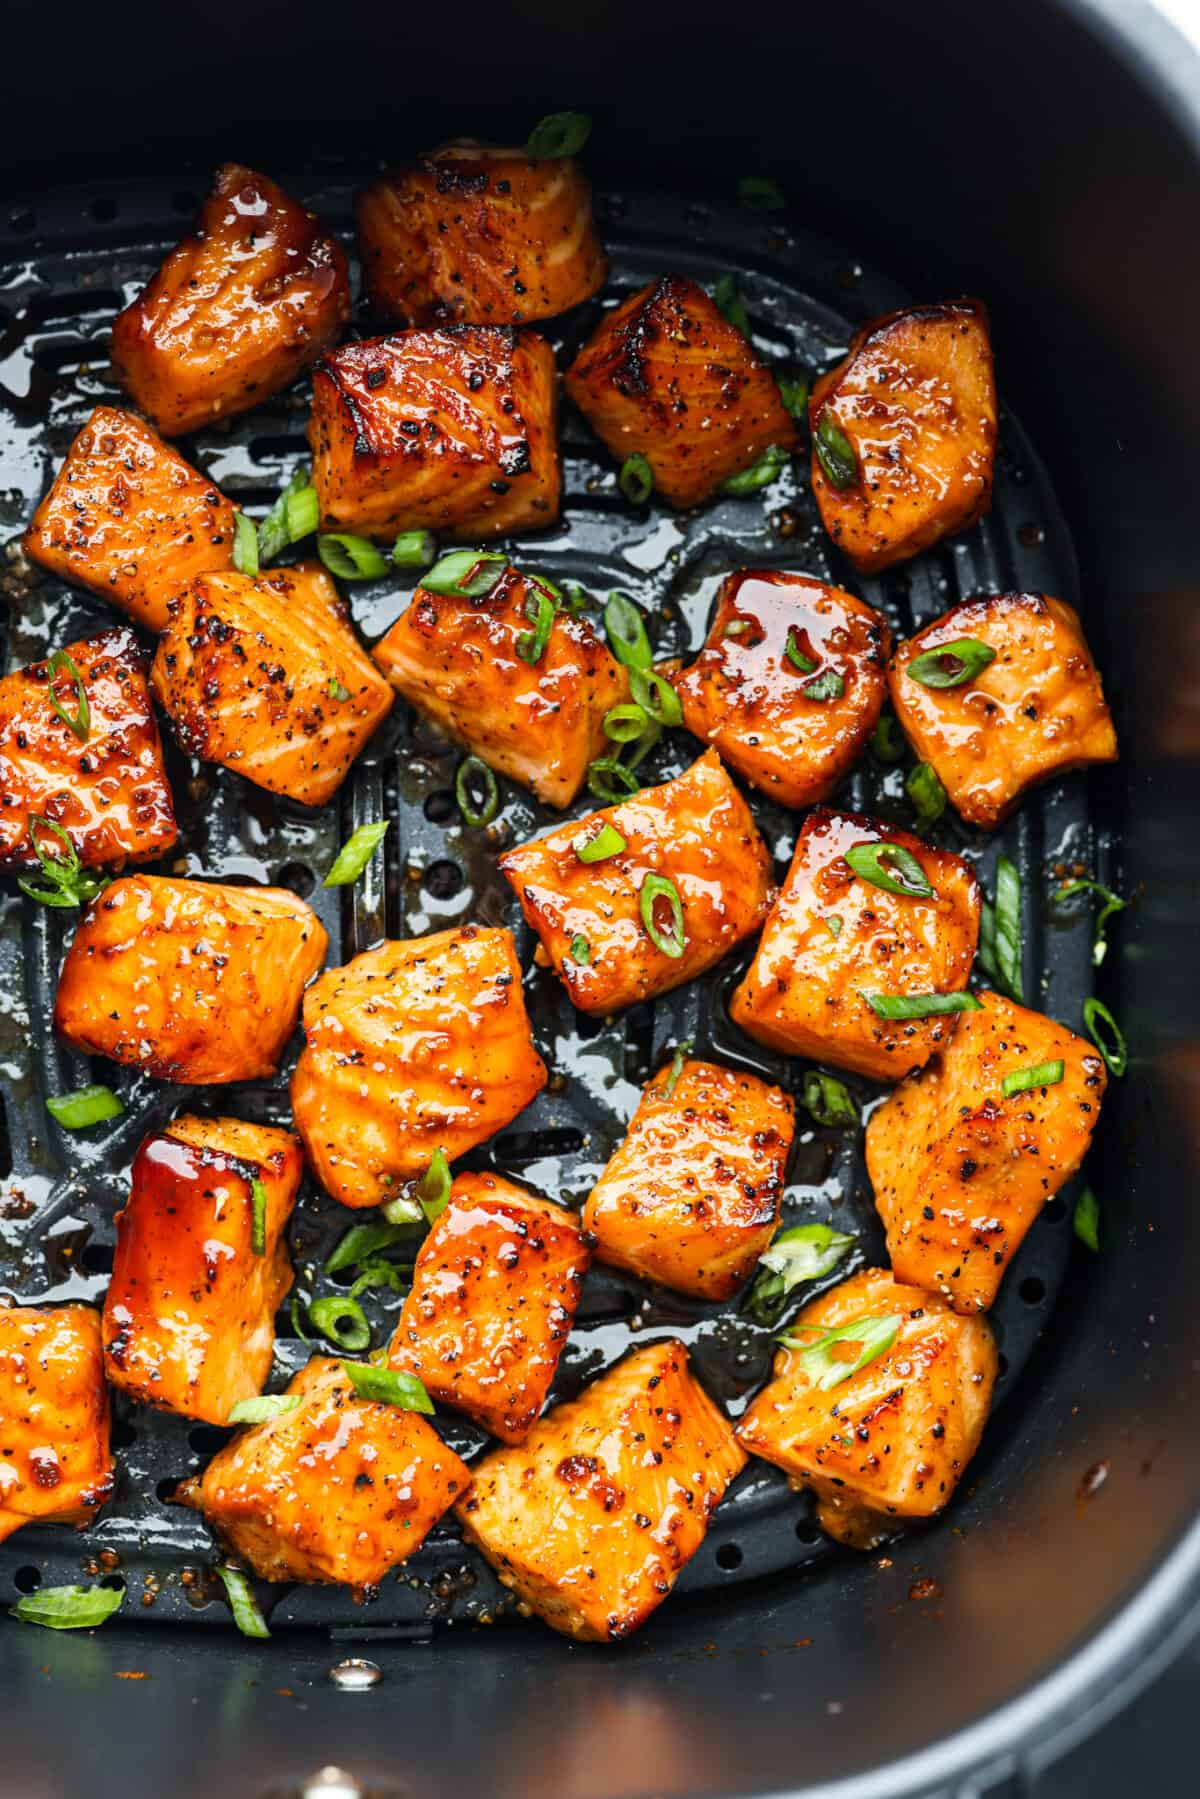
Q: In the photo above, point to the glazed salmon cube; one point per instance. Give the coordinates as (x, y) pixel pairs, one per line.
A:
(237, 310)
(790, 683)
(479, 236)
(55, 1463)
(450, 431)
(339, 1489)
(265, 676)
(108, 791)
(494, 1290)
(834, 937)
(603, 925)
(904, 433)
(188, 980)
(591, 1519)
(1023, 702)
(666, 376)
(691, 1198)
(544, 722)
(201, 1265)
(961, 1168)
(889, 1441)
(412, 1047)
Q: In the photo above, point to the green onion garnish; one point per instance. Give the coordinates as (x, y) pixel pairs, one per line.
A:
(655, 695)
(69, 884)
(625, 723)
(245, 545)
(660, 887)
(559, 134)
(1024, 1080)
(887, 739)
(682, 1052)
(835, 453)
(890, 866)
(833, 924)
(242, 1602)
(600, 845)
(388, 1386)
(401, 1210)
(760, 474)
(342, 1320)
(355, 853)
(258, 1217)
(729, 302)
(795, 654)
(60, 662)
(265, 1407)
(275, 532)
(1006, 946)
(1113, 903)
(951, 664)
(337, 691)
(874, 1337)
(920, 1005)
(636, 479)
(827, 1100)
(470, 572)
(68, 1608)
(380, 1274)
(1107, 1035)
(1087, 1219)
(760, 195)
(803, 1253)
(580, 950)
(474, 773)
(626, 629)
(924, 788)
(433, 1188)
(297, 1311)
(362, 1241)
(610, 781)
(794, 391)
(303, 513)
(350, 558)
(539, 610)
(86, 1106)
(828, 685)
(414, 549)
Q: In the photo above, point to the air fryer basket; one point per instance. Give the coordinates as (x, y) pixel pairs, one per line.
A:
(754, 1678)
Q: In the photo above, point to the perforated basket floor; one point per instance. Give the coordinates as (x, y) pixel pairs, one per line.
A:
(65, 273)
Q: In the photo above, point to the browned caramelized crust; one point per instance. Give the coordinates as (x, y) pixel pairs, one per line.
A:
(479, 236)
(592, 1517)
(236, 311)
(189, 1317)
(667, 376)
(55, 1463)
(108, 791)
(451, 431)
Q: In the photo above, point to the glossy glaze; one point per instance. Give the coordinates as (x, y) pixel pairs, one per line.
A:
(455, 660)
(450, 430)
(916, 397)
(55, 1463)
(342, 1489)
(493, 1295)
(745, 695)
(959, 1171)
(188, 980)
(108, 793)
(892, 1441)
(696, 831)
(236, 311)
(475, 235)
(189, 1316)
(591, 1518)
(665, 374)
(691, 1197)
(129, 519)
(250, 670)
(411, 1048)
(1038, 710)
(803, 993)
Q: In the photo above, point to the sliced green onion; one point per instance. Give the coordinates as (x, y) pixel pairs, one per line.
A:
(625, 723)
(1113, 903)
(827, 1100)
(337, 691)
(403, 1210)
(69, 885)
(274, 531)
(362, 1241)
(539, 610)
(874, 1337)
(1006, 945)
(833, 924)
(342, 1320)
(760, 195)
(242, 1602)
(470, 572)
(655, 695)
(296, 1312)
(1087, 1219)
(920, 1005)
(473, 772)
(350, 558)
(580, 950)
(388, 1386)
(887, 739)
(1024, 1080)
(303, 513)
(795, 654)
(355, 853)
(414, 549)
(682, 1052)
(660, 887)
(794, 391)
(728, 301)
(258, 1217)
(760, 474)
(626, 629)
(637, 752)
(379, 1274)
(86, 1106)
(264, 1408)
(559, 134)
(61, 662)
(890, 866)
(68, 1608)
(1107, 1035)
(738, 627)
(924, 788)
(600, 845)
(951, 664)
(835, 453)
(636, 479)
(828, 685)
(806, 1252)
(433, 1188)
(610, 781)
(245, 545)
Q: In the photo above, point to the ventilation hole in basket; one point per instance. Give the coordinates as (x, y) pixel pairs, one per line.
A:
(21, 221)
(1055, 1210)
(62, 358)
(729, 1556)
(184, 201)
(28, 1579)
(103, 210)
(97, 1258)
(122, 1434)
(519, 1147)
(297, 879)
(807, 1531)
(440, 808)
(1032, 1290)
(49, 309)
(164, 1489)
(206, 1439)
(443, 880)
(276, 447)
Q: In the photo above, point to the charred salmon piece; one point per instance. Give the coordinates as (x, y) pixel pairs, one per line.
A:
(410, 1048)
(790, 683)
(961, 1168)
(494, 1290)
(667, 376)
(689, 878)
(1023, 702)
(459, 661)
(834, 936)
(241, 307)
(55, 1463)
(266, 676)
(189, 980)
(479, 236)
(450, 431)
(129, 519)
(904, 433)
(890, 1441)
(592, 1517)
(103, 784)
(691, 1197)
(201, 1265)
(339, 1489)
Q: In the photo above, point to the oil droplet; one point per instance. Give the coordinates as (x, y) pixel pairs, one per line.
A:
(331, 1783)
(355, 1675)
